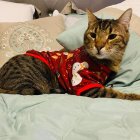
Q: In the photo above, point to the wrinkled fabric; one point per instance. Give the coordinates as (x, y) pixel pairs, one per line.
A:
(68, 117)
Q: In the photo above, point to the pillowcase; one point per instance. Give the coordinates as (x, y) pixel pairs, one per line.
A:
(39, 34)
(72, 38)
(69, 20)
(134, 4)
(15, 12)
(39, 4)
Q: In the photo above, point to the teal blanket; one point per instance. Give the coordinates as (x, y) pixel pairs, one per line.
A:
(68, 117)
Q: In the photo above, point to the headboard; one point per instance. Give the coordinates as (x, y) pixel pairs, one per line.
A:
(50, 5)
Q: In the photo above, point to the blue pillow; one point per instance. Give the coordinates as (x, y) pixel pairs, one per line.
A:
(72, 38)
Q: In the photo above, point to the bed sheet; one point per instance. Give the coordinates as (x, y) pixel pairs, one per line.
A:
(68, 117)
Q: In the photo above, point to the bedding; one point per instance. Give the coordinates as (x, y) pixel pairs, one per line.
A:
(15, 12)
(69, 19)
(39, 34)
(40, 4)
(134, 4)
(70, 117)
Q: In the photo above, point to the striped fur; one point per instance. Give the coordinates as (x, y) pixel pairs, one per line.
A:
(27, 76)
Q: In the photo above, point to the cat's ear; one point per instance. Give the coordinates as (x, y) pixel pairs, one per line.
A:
(91, 17)
(126, 17)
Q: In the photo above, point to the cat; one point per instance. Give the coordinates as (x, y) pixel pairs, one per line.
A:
(105, 41)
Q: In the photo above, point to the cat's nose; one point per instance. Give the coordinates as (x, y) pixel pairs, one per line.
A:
(99, 48)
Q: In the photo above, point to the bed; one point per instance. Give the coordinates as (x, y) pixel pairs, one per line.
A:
(67, 117)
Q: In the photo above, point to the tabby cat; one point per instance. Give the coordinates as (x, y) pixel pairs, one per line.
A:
(105, 41)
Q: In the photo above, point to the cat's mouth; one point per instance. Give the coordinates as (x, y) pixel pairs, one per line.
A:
(99, 55)
(102, 55)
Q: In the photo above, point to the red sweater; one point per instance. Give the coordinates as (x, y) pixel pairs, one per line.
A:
(76, 71)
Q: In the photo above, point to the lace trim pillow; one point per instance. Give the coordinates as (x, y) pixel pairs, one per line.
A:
(38, 34)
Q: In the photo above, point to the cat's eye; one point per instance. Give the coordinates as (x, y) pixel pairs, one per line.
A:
(93, 35)
(112, 36)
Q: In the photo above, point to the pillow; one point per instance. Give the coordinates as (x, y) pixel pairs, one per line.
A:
(69, 20)
(134, 4)
(15, 12)
(72, 38)
(39, 34)
(39, 4)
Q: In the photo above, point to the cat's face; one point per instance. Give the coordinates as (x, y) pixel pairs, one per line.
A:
(107, 39)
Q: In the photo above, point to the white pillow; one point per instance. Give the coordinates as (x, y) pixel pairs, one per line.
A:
(15, 12)
(134, 4)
